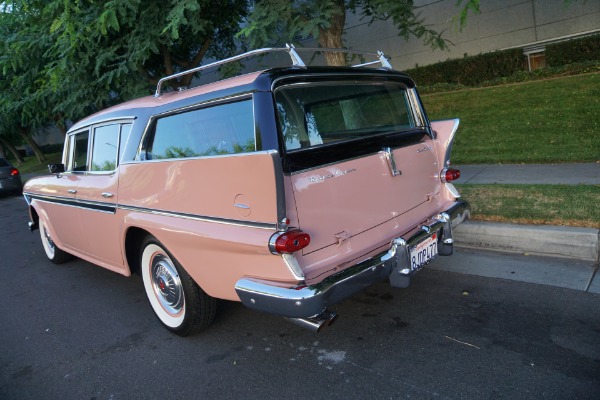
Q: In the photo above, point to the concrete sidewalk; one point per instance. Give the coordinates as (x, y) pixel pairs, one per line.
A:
(578, 246)
(553, 174)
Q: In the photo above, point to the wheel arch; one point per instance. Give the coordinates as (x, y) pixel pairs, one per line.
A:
(133, 247)
(34, 218)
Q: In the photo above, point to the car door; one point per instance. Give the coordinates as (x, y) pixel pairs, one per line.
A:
(97, 196)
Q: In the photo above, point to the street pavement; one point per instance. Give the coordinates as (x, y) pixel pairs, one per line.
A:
(78, 331)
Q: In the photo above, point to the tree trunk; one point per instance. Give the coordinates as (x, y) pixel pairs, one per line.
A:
(12, 149)
(332, 36)
(24, 132)
(60, 124)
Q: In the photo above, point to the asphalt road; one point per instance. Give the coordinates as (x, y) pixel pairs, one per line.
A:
(77, 331)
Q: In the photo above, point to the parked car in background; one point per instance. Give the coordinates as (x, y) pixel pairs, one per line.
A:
(10, 178)
(289, 189)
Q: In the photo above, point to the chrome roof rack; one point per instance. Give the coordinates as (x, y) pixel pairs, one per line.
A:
(290, 49)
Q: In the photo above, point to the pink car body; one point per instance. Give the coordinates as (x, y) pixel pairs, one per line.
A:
(247, 189)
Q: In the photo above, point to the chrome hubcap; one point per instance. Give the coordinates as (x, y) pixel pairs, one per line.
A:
(166, 284)
(49, 239)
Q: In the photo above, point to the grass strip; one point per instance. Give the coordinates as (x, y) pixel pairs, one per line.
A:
(32, 165)
(568, 205)
(551, 121)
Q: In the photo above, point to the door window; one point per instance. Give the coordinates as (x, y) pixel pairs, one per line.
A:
(105, 149)
(78, 144)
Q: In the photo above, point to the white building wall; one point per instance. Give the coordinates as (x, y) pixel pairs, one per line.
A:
(500, 25)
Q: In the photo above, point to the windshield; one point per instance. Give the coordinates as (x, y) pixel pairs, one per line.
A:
(322, 113)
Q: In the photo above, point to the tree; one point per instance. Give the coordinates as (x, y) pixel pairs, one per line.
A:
(62, 60)
(23, 108)
(108, 52)
(285, 20)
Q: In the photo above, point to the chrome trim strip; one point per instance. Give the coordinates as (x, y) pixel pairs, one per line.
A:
(109, 208)
(112, 208)
(204, 218)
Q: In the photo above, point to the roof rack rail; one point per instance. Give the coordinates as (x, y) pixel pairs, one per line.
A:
(290, 49)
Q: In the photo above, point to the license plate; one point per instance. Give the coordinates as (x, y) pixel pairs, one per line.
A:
(423, 253)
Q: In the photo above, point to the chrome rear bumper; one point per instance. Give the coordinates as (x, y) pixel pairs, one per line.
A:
(308, 301)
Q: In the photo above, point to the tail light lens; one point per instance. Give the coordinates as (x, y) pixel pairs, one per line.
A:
(14, 172)
(289, 242)
(450, 174)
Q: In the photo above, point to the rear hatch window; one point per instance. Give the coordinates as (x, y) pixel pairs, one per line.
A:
(321, 114)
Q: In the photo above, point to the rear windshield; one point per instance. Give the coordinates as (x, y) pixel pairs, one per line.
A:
(322, 113)
(4, 163)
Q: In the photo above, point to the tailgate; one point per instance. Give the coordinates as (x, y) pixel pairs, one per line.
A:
(341, 201)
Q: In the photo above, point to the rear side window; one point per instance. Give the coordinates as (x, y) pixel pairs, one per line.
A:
(217, 130)
(4, 163)
(317, 114)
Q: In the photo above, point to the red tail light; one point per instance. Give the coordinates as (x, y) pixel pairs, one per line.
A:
(450, 174)
(14, 172)
(290, 242)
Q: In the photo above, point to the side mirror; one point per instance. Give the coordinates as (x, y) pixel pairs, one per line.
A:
(56, 168)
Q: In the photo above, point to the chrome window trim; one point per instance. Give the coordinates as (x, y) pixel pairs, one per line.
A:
(106, 121)
(91, 129)
(249, 154)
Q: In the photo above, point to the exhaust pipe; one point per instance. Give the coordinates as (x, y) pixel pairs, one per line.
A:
(317, 323)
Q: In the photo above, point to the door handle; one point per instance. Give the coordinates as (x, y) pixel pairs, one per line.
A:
(72, 191)
(107, 195)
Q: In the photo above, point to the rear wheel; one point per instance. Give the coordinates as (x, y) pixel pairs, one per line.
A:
(178, 302)
(54, 254)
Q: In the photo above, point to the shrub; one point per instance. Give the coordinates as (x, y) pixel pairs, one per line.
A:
(573, 51)
(472, 70)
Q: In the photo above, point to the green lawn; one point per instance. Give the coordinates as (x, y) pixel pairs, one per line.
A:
(32, 164)
(549, 121)
(572, 205)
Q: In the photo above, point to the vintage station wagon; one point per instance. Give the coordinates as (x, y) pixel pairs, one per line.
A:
(289, 189)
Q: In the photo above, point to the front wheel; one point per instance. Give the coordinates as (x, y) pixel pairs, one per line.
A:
(54, 254)
(178, 302)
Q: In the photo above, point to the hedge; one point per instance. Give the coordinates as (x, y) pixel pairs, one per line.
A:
(470, 70)
(475, 70)
(573, 51)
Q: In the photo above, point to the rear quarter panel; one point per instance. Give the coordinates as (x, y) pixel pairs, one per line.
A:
(215, 215)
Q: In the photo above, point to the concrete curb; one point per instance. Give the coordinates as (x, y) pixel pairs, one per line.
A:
(545, 240)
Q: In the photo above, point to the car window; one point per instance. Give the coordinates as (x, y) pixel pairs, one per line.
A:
(105, 148)
(125, 129)
(79, 151)
(4, 163)
(221, 129)
(312, 115)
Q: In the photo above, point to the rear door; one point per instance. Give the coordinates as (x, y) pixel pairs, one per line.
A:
(358, 157)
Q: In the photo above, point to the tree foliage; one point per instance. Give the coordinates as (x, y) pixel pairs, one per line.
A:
(287, 20)
(61, 60)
